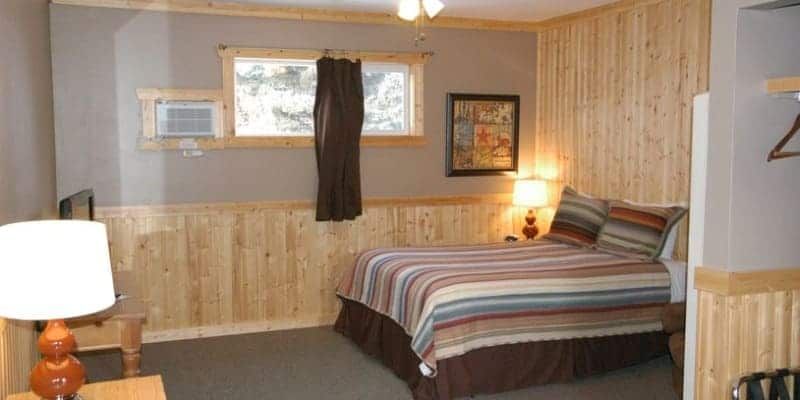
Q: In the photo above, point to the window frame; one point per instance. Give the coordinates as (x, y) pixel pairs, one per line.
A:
(149, 139)
(415, 61)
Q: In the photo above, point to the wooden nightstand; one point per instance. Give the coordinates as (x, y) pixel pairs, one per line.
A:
(119, 327)
(147, 388)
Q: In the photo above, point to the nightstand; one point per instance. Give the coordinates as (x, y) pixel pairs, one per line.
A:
(147, 388)
(119, 327)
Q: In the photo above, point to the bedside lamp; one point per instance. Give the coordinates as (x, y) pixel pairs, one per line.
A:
(532, 194)
(54, 270)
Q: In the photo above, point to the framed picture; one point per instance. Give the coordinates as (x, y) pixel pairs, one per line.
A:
(482, 134)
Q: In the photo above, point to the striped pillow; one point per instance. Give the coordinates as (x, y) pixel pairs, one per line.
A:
(638, 229)
(578, 218)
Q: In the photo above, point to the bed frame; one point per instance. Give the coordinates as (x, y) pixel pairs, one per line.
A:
(493, 369)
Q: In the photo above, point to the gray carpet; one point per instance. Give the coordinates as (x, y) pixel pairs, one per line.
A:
(321, 364)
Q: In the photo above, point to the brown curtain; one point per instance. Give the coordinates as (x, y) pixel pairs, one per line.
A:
(338, 117)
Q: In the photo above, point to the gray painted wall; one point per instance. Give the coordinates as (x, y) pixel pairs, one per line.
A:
(101, 56)
(27, 159)
(751, 204)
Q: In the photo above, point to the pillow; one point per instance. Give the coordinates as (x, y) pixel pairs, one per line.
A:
(669, 245)
(578, 218)
(638, 229)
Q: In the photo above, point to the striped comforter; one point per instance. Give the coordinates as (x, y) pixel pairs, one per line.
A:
(451, 300)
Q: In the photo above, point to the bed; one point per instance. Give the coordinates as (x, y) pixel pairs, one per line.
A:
(462, 320)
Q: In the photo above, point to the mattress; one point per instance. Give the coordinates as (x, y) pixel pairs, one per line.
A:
(451, 300)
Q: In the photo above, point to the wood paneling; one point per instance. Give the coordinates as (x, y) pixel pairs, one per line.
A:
(781, 85)
(301, 14)
(17, 356)
(614, 99)
(750, 329)
(230, 268)
(746, 282)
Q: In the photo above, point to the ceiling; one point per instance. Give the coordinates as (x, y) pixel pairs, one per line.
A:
(509, 10)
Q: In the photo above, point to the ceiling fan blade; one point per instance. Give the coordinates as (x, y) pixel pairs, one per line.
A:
(432, 7)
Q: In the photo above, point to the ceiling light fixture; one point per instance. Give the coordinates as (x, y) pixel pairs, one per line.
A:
(416, 10)
(408, 10)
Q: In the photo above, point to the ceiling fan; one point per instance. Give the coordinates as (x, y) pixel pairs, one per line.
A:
(416, 10)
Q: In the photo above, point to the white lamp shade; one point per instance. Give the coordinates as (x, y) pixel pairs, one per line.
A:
(530, 193)
(54, 270)
(408, 9)
(432, 7)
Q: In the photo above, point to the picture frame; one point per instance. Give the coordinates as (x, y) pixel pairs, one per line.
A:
(482, 135)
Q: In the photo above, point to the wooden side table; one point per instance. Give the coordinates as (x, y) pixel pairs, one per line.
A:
(119, 327)
(147, 388)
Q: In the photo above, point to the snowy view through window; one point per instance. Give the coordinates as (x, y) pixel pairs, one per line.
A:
(276, 98)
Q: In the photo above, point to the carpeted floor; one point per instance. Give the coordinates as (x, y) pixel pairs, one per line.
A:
(321, 364)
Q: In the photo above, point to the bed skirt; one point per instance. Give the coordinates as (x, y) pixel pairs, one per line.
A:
(494, 369)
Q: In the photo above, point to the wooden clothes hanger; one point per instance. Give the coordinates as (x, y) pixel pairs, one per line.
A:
(777, 153)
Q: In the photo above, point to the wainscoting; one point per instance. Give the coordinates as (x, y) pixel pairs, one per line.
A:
(214, 269)
(614, 100)
(17, 356)
(747, 322)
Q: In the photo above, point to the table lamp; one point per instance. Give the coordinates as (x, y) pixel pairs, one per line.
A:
(54, 270)
(532, 194)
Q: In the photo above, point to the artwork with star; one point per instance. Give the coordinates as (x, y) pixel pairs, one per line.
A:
(482, 134)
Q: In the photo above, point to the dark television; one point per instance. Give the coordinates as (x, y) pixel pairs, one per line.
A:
(78, 206)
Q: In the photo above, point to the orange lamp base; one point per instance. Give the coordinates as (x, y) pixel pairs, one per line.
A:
(530, 230)
(59, 375)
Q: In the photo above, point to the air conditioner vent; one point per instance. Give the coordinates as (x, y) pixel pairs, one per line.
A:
(183, 119)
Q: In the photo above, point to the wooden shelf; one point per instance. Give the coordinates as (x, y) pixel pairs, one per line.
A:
(783, 85)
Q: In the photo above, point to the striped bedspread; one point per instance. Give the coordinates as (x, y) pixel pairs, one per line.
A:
(451, 300)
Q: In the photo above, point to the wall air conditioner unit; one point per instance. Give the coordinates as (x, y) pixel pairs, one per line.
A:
(186, 119)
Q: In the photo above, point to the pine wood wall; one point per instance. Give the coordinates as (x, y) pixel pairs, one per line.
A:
(751, 323)
(17, 356)
(614, 99)
(229, 268)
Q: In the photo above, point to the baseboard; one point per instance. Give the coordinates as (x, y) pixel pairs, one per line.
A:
(237, 329)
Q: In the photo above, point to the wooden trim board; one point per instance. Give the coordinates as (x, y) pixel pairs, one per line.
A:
(321, 15)
(205, 208)
(733, 283)
(179, 94)
(300, 14)
(263, 142)
(783, 85)
(410, 58)
(238, 329)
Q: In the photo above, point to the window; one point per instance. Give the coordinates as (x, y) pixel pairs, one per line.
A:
(276, 97)
(386, 99)
(269, 95)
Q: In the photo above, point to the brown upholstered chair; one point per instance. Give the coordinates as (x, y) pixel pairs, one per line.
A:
(674, 320)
